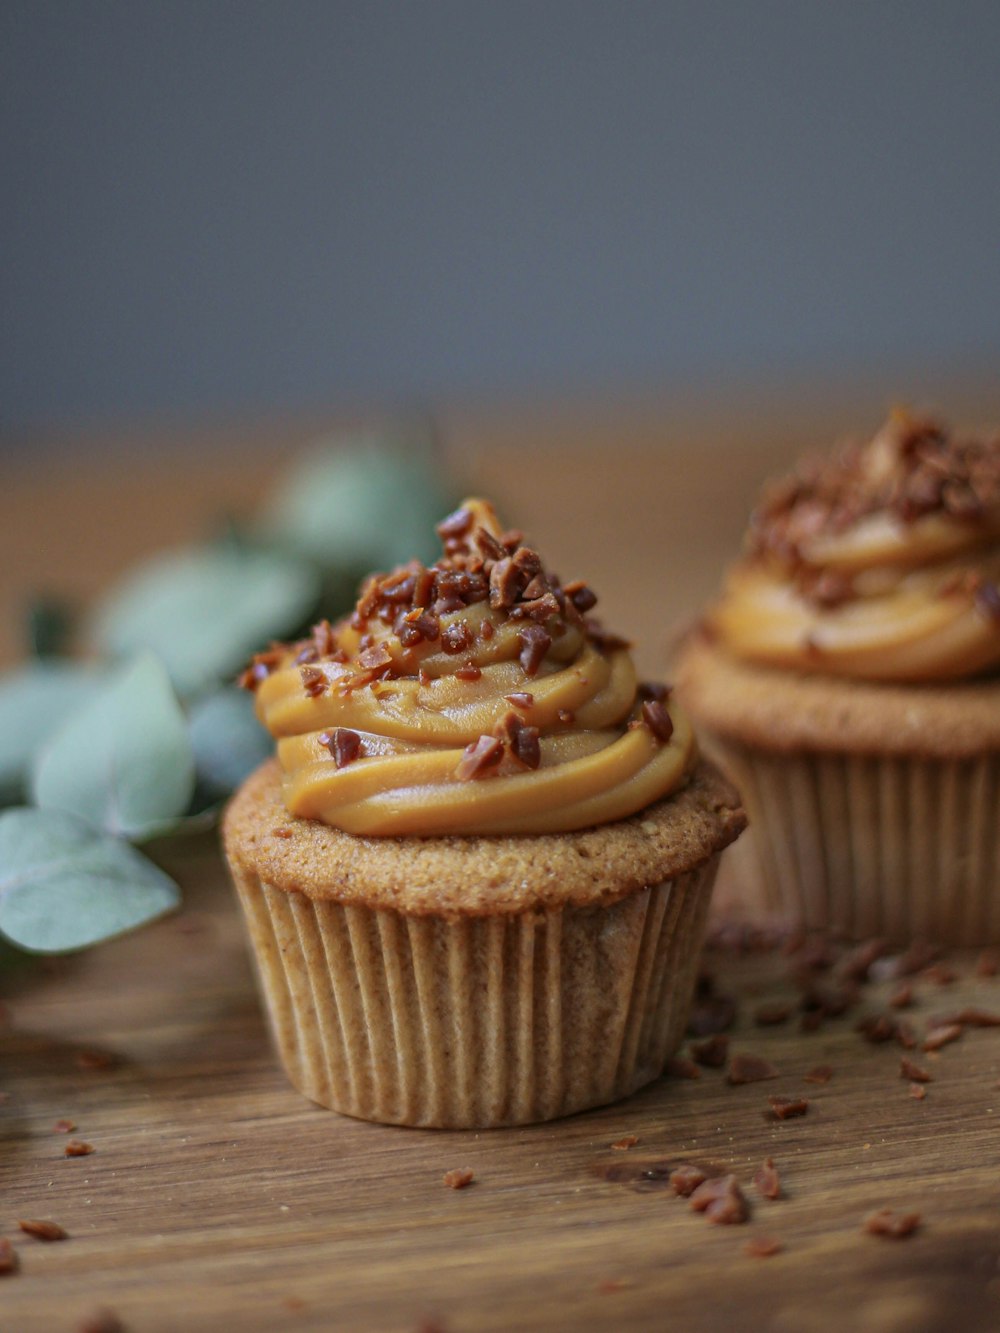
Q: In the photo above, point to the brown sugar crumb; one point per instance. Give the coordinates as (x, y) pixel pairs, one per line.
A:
(623, 1144)
(785, 1108)
(942, 1036)
(43, 1230)
(713, 1052)
(987, 964)
(770, 1015)
(101, 1321)
(714, 1013)
(345, 745)
(281, 833)
(821, 1074)
(749, 1069)
(680, 1067)
(520, 699)
(685, 1179)
(8, 1257)
(884, 1222)
(918, 1091)
(910, 1070)
(479, 758)
(459, 1178)
(722, 1201)
(77, 1148)
(762, 1247)
(94, 1060)
(64, 1127)
(658, 720)
(766, 1180)
(313, 681)
(902, 996)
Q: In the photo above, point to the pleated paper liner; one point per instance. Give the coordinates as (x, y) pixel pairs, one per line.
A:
(899, 847)
(479, 1022)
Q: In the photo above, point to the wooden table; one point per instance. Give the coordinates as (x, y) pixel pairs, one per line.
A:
(217, 1199)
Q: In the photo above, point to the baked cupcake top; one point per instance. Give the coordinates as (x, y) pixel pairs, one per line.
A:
(880, 563)
(473, 696)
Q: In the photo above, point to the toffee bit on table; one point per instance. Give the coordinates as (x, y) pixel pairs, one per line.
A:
(856, 964)
(712, 1052)
(623, 1144)
(902, 996)
(64, 1127)
(987, 964)
(771, 1014)
(939, 974)
(43, 1230)
(679, 1067)
(884, 1222)
(713, 1013)
(314, 681)
(908, 1069)
(535, 643)
(344, 745)
(876, 1028)
(918, 1092)
(685, 1179)
(749, 1069)
(101, 1321)
(93, 1059)
(459, 1178)
(767, 1181)
(820, 1074)
(77, 1148)
(722, 1201)
(8, 1257)
(762, 1247)
(906, 1035)
(970, 1017)
(942, 1035)
(785, 1108)
(609, 1285)
(479, 758)
(658, 720)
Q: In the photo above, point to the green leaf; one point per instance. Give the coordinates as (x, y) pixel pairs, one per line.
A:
(124, 762)
(65, 886)
(363, 502)
(228, 741)
(203, 612)
(34, 702)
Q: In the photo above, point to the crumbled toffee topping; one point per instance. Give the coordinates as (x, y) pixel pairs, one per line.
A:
(913, 467)
(766, 1180)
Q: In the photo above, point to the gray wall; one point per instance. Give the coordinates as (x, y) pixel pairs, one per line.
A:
(221, 206)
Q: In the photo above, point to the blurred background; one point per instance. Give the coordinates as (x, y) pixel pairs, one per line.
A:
(216, 210)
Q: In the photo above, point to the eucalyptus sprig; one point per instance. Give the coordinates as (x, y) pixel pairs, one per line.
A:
(148, 736)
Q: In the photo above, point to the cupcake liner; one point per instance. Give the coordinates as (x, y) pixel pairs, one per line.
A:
(479, 1021)
(901, 847)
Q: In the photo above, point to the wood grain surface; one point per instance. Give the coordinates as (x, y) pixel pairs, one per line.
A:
(216, 1198)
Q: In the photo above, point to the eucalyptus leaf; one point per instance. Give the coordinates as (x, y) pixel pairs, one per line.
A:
(228, 741)
(34, 702)
(203, 612)
(124, 762)
(65, 886)
(363, 502)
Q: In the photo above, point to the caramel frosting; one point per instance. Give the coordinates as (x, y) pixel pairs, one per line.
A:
(474, 696)
(881, 564)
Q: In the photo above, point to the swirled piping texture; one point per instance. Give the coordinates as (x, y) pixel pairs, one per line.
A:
(884, 564)
(441, 708)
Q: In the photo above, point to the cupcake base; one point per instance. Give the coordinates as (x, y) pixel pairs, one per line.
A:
(874, 809)
(408, 1016)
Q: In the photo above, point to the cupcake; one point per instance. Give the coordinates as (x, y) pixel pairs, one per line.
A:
(476, 876)
(848, 679)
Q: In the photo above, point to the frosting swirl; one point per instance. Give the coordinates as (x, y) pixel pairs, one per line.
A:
(473, 696)
(882, 563)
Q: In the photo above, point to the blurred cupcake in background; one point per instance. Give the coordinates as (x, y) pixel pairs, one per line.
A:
(849, 680)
